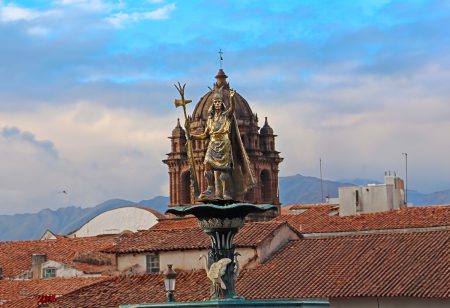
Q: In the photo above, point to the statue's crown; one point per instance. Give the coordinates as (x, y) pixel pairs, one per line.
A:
(218, 93)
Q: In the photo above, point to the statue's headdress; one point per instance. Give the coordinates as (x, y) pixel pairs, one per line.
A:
(217, 94)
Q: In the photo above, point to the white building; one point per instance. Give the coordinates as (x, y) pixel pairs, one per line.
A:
(129, 218)
(372, 198)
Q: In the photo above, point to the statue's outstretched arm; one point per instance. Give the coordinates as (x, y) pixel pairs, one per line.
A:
(230, 111)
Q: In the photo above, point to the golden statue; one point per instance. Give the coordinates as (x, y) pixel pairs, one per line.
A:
(227, 168)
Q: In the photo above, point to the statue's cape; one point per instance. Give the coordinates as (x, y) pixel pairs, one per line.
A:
(242, 173)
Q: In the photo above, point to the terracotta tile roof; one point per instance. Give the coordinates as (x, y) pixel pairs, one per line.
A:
(190, 238)
(176, 223)
(375, 265)
(252, 234)
(93, 268)
(300, 206)
(162, 240)
(15, 257)
(24, 293)
(317, 219)
(148, 288)
(26, 302)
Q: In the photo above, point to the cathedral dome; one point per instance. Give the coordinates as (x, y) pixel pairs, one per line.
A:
(242, 111)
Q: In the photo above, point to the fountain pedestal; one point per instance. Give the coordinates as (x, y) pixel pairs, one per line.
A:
(221, 223)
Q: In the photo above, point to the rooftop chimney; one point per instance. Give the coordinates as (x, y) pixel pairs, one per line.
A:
(36, 265)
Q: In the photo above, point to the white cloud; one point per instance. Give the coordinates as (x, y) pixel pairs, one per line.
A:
(11, 13)
(90, 5)
(101, 153)
(321, 100)
(119, 19)
(161, 13)
(13, 135)
(361, 127)
(38, 31)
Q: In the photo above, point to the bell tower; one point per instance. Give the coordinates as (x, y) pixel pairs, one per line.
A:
(259, 144)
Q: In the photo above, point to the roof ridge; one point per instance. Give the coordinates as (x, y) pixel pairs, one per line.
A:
(380, 234)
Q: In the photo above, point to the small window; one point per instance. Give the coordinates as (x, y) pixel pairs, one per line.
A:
(49, 272)
(153, 263)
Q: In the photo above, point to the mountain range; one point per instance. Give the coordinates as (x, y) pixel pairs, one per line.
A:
(64, 220)
(307, 189)
(293, 189)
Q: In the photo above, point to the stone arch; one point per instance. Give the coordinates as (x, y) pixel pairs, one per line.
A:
(266, 186)
(185, 187)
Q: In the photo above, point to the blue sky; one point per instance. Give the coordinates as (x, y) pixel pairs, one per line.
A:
(86, 89)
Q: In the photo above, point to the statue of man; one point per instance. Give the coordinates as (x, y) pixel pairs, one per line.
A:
(227, 168)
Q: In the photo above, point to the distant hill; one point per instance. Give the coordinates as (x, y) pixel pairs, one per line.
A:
(64, 220)
(435, 198)
(293, 189)
(306, 189)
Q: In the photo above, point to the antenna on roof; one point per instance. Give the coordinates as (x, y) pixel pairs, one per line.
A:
(321, 180)
(406, 177)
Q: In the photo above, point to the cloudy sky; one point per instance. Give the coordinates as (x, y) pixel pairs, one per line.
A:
(86, 89)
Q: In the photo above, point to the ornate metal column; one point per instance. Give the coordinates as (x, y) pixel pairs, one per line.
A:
(221, 223)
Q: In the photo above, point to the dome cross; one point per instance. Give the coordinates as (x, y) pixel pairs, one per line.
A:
(220, 57)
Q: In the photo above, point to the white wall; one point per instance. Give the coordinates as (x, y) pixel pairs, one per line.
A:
(389, 302)
(125, 261)
(116, 221)
(180, 259)
(372, 198)
(48, 235)
(62, 270)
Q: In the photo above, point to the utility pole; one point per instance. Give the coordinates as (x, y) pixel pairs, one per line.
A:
(321, 180)
(406, 177)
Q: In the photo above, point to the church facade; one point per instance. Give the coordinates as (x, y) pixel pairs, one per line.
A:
(258, 142)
